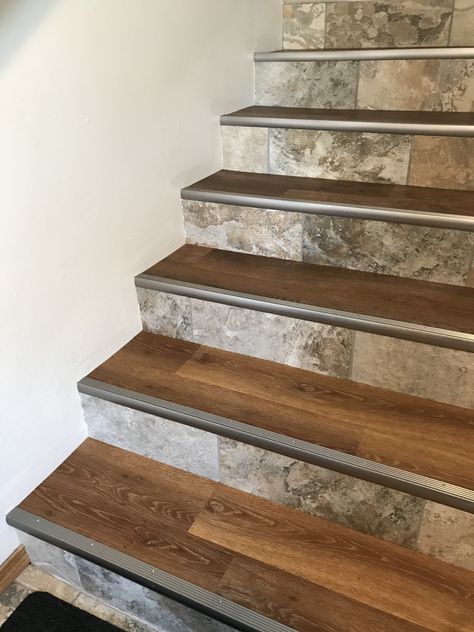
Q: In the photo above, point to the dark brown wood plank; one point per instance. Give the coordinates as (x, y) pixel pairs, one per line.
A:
(372, 195)
(358, 116)
(436, 305)
(379, 574)
(273, 559)
(411, 433)
(12, 567)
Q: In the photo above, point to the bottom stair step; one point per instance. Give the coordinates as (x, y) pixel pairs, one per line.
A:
(242, 559)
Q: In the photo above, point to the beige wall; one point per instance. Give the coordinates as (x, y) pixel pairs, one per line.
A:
(108, 107)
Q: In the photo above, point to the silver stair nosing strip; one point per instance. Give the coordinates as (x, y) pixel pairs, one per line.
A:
(361, 54)
(335, 125)
(398, 216)
(372, 471)
(143, 573)
(369, 324)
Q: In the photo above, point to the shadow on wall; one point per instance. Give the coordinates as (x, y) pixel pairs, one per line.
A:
(18, 20)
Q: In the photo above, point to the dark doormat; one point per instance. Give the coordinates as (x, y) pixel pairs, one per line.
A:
(41, 612)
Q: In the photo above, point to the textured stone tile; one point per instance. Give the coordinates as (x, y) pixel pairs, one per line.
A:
(435, 84)
(446, 162)
(51, 559)
(166, 314)
(115, 617)
(5, 612)
(244, 148)
(447, 534)
(12, 597)
(340, 155)
(417, 252)
(331, 84)
(289, 341)
(435, 373)
(388, 23)
(303, 25)
(462, 30)
(252, 230)
(357, 504)
(176, 444)
(37, 580)
(143, 604)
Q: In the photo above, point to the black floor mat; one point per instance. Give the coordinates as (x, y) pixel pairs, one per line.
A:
(41, 612)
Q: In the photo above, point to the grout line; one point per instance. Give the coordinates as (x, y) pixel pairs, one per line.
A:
(356, 103)
(450, 32)
(410, 159)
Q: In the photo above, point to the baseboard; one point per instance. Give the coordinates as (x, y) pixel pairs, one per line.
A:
(12, 567)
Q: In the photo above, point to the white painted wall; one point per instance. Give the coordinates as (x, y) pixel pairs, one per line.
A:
(107, 108)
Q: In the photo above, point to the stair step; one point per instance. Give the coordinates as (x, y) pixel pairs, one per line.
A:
(375, 121)
(249, 562)
(355, 54)
(442, 208)
(421, 311)
(405, 442)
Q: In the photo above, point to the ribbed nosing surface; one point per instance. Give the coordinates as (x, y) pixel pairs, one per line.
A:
(374, 472)
(338, 318)
(361, 54)
(143, 573)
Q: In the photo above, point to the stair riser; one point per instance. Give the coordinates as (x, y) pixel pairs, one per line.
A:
(363, 157)
(418, 252)
(408, 367)
(376, 24)
(147, 607)
(364, 506)
(435, 85)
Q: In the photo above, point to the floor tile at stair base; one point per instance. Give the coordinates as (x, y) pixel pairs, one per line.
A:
(176, 444)
(396, 24)
(307, 84)
(340, 155)
(252, 230)
(443, 375)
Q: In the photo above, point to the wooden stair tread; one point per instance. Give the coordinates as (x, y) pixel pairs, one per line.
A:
(410, 433)
(264, 556)
(423, 303)
(374, 195)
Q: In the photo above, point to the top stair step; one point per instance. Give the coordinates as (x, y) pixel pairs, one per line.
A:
(375, 121)
(361, 54)
(249, 562)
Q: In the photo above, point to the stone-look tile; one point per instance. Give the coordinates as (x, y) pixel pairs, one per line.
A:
(462, 30)
(289, 341)
(37, 580)
(111, 615)
(447, 534)
(330, 84)
(340, 155)
(388, 24)
(435, 84)
(143, 604)
(417, 252)
(445, 162)
(251, 230)
(244, 148)
(170, 315)
(51, 559)
(176, 444)
(304, 25)
(357, 504)
(12, 597)
(5, 612)
(435, 373)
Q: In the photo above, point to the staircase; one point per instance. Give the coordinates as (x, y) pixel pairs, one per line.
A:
(288, 445)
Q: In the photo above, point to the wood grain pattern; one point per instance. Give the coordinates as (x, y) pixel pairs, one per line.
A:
(372, 195)
(411, 433)
(357, 116)
(12, 567)
(301, 570)
(411, 301)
